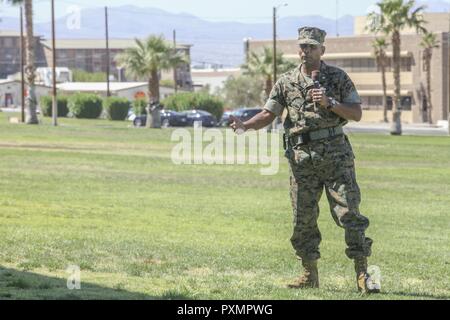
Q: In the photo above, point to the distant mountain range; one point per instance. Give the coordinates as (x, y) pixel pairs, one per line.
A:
(213, 42)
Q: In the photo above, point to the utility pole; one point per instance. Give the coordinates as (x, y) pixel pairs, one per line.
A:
(22, 64)
(54, 100)
(275, 41)
(108, 92)
(278, 119)
(247, 49)
(448, 72)
(274, 45)
(337, 18)
(175, 86)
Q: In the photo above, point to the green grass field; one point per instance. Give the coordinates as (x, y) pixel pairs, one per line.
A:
(107, 197)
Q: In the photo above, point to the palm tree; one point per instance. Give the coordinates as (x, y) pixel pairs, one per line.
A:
(146, 60)
(262, 66)
(30, 75)
(379, 48)
(394, 16)
(429, 42)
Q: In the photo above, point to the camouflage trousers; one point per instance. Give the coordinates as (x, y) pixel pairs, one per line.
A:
(326, 164)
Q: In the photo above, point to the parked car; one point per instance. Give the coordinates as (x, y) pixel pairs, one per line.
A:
(131, 116)
(243, 114)
(225, 120)
(246, 113)
(206, 118)
(169, 118)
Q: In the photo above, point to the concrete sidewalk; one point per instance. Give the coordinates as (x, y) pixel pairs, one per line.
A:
(407, 129)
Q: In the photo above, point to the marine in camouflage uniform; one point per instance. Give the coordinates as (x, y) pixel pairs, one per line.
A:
(320, 164)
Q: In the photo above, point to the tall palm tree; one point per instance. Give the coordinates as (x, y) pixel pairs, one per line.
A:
(146, 60)
(429, 42)
(262, 66)
(379, 48)
(30, 74)
(394, 16)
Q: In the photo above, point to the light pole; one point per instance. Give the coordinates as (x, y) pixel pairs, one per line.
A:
(448, 73)
(108, 91)
(275, 9)
(22, 64)
(54, 97)
(175, 78)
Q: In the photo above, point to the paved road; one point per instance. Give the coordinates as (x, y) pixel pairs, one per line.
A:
(407, 129)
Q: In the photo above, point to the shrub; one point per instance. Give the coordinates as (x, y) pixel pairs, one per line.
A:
(139, 107)
(116, 108)
(46, 104)
(85, 106)
(195, 100)
(83, 76)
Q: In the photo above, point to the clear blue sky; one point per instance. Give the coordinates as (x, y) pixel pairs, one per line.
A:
(230, 10)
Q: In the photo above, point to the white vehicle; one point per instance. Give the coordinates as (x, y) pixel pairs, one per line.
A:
(45, 75)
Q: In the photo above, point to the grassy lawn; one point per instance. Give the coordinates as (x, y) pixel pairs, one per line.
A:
(107, 197)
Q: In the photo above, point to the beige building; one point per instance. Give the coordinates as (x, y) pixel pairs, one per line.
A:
(128, 90)
(83, 54)
(213, 79)
(11, 91)
(10, 53)
(90, 55)
(355, 55)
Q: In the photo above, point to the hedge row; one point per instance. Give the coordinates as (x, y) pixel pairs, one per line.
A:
(47, 106)
(87, 106)
(91, 106)
(195, 100)
(116, 108)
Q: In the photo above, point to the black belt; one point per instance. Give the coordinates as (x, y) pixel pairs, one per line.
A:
(304, 138)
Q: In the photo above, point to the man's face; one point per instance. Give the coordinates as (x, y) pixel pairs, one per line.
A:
(310, 54)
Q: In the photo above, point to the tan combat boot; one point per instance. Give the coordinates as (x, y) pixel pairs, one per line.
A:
(362, 276)
(309, 278)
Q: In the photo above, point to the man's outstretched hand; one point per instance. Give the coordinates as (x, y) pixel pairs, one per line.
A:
(237, 125)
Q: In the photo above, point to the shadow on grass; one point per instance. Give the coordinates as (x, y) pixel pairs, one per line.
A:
(386, 295)
(417, 295)
(22, 285)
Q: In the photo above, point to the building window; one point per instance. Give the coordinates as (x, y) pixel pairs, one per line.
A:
(8, 43)
(406, 103)
(358, 65)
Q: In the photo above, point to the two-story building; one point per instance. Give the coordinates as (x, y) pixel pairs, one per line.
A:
(91, 55)
(355, 55)
(10, 53)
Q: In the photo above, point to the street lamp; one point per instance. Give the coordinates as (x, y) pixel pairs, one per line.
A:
(275, 9)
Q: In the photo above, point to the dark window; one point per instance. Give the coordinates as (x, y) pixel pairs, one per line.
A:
(406, 103)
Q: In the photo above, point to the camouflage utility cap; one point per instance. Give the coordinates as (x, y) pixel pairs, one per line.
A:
(310, 35)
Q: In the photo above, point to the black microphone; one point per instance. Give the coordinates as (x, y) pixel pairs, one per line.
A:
(315, 77)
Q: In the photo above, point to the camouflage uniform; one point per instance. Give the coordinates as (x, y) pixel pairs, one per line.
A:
(325, 163)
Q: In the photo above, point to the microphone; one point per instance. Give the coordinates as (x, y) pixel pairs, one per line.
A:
(315, 77)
